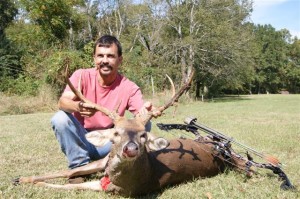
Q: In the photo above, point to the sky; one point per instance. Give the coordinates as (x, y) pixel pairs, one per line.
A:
(279, 13)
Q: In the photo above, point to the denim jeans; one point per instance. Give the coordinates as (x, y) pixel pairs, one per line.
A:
(71, 137)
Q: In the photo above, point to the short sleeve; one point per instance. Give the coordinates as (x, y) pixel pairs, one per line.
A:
(136, 100)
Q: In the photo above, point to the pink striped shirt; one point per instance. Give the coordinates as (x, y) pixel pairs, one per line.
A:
(122, 90)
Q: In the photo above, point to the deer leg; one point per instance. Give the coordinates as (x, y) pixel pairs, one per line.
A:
(92, 185)
(90, 168)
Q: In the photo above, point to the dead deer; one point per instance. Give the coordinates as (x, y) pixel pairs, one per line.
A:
(140, 164)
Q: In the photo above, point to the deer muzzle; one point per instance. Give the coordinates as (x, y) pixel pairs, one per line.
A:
(130, 150)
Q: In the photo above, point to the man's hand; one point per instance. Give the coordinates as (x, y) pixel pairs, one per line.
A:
(86, 109)
(147, 107)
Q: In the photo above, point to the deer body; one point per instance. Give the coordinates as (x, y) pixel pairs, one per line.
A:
(181, 161)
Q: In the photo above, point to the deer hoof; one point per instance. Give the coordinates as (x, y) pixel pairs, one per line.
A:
(16, 181)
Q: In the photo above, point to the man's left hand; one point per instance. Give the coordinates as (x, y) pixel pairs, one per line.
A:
(147, 107)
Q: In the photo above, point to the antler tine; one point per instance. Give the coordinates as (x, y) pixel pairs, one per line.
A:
(174, 98)
(112, 115)
(172, 85)
(178, 94)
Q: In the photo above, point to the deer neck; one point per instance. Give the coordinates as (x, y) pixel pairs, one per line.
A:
(123, 173)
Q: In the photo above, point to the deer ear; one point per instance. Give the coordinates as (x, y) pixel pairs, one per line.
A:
(99, 138)
(157, 144)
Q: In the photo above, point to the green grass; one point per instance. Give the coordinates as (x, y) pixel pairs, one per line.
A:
(268, 123)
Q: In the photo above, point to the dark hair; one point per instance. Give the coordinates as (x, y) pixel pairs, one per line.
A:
(107, 41)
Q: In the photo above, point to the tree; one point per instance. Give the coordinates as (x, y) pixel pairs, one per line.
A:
(272, 59)
(88, 13)
(175, 36)
(9, 57)
(212, 37)
(229, 54)
(7, 13)
(292, 80)
(57, 18)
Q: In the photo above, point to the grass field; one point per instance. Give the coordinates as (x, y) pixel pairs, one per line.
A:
(268, 123)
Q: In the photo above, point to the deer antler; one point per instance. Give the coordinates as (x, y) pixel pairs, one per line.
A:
(178, 94)
(112, 115)
(174, 98)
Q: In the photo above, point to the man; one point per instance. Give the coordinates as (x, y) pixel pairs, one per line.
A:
(102, 85)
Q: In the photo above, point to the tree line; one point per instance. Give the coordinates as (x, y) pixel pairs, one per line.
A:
(216, 38)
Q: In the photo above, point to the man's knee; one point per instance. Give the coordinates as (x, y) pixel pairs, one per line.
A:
(60, 119)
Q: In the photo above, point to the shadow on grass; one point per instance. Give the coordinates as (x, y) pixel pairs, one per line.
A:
(229, 98)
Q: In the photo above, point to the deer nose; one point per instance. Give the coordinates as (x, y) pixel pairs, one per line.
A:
(131, 149)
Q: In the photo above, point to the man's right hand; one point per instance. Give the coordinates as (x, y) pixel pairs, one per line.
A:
(86, 109)
(69, 103)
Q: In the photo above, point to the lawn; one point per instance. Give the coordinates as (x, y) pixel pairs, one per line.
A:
(267, 123)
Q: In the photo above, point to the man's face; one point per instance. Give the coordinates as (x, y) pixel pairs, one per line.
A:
(107, 60)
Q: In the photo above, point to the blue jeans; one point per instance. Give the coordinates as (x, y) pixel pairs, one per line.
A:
(71, 136)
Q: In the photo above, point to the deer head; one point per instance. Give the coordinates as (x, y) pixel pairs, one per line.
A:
(129, 134)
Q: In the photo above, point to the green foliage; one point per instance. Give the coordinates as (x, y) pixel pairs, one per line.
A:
(292, 78)
(55, 17)
(10, 63)
(219, 49)
(230, 55)
(23, 85)
(55, 65)
(9, 56)
(28, 38)
(276, 60)
(7, 13)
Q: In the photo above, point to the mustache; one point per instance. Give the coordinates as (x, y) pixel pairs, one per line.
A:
(105, 65)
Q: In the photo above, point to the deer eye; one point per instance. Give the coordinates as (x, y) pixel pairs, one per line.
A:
(116, 134)
(115, 137)
(144, 136)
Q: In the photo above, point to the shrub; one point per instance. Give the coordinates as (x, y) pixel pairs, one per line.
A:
(55, 66)
(23, 85)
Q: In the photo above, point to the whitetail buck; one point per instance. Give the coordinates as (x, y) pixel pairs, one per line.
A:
(139, 165)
